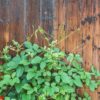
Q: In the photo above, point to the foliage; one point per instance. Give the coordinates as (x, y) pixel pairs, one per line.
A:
(43, 73)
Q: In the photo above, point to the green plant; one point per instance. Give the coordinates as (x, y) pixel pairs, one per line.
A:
(43, 73)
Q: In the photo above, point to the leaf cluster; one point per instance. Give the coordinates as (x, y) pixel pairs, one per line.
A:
(43, 73)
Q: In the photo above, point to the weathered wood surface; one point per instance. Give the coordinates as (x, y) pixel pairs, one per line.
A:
(78, 21)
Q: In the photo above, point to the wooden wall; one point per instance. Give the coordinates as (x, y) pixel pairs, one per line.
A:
(78, 21)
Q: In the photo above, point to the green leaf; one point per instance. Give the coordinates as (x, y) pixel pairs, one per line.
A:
(40, 81)
(84, 98)
(29, 75)
(26, 86)
(87, 82)
(65, 78)
(42, 65)
(29, 97)
(97, 73)
(62, 91)
(76, 64)
(36, 60)
(30, 91)
(14, 81)
(57, 78)
(19, 71)
(86, 94)
(88, 75)
(69, 89)
(73, 98)
(7, 98)
(26, 96)
(77, 81)
(13, 74)
(35, 47)
(18, 87)
(53, 84)
(93, 69)
(35, 89)
(24, 62)
(67, 97)
(28, 44)
(70, 57)
(78, 58)
(48, 73)
(79, 98)
(16, 59)
(11, 65)
(93, 85)
(82, 75)
(60, 97)
(6, 79)
(98, 82)
(41, 97)
(55, 89)
(50, 91)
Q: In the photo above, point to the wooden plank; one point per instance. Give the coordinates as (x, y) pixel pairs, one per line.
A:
(34, 19)
(68, 24)
(87, 36)
(12, 20)
(4, 22)
(61, 24)
(34, 14)
(55, 20)
(96, 39)
(18, 20)
(73, 27)
(46, 17)
(77, 48)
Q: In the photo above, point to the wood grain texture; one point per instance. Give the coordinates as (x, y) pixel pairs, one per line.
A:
(87, 37)
(78, 21)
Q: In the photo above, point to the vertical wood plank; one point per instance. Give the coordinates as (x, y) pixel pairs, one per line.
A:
(55, 20)
(46, 16)
(4, 22)
(87, 37)
(61, 24)
(34, 14)
(34, 18)
(96, 38)
(73, 25)
(68, 25)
